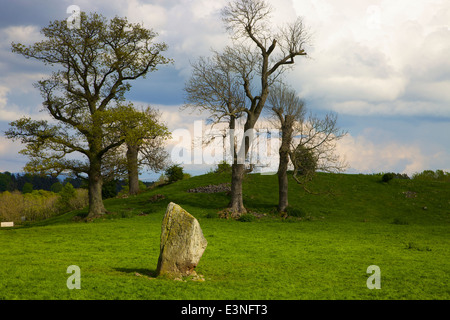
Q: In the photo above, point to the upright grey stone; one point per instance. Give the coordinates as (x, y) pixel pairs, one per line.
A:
(182, 243)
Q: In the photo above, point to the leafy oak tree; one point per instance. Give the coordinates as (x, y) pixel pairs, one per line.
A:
(93, 67)
(144, 135)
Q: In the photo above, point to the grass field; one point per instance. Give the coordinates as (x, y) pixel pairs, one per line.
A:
(321, 253)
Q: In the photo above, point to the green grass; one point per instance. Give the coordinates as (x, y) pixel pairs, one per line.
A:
(321, 254)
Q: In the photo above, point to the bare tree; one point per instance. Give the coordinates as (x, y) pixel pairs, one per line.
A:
(259, 55)
(288, 109)
(316, 139)
(307, 142)
(214, 87)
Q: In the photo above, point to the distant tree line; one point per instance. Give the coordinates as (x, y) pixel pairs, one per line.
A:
(26, 183)
(15, 181)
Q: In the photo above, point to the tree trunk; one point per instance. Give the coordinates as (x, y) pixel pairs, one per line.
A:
(236, 205)
(95, 189)
(286, 138)
(283, 182)
(133, 172)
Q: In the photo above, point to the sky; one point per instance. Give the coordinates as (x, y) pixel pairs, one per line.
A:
(381, 65)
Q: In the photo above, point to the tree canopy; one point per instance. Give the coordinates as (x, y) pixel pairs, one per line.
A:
(94, 65)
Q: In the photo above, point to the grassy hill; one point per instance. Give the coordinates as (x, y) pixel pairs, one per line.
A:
(321, 251)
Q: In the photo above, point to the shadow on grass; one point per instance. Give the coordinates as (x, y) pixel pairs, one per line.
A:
(150, 273)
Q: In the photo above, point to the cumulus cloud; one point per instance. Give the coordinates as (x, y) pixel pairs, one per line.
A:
(7, 112)
(23, 33)
(363, 155)
(149, 14)
(18, 97)
(10, 159)
(367, 154)
(369, 55)
(189, 27)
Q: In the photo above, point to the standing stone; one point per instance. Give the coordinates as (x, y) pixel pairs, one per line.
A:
(182, 243)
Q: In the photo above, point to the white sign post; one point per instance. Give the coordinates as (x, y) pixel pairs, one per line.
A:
(7, 224)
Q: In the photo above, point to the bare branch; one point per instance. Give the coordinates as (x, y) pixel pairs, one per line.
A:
(247, 18)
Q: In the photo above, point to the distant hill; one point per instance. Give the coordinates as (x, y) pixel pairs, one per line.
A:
(330, 197)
